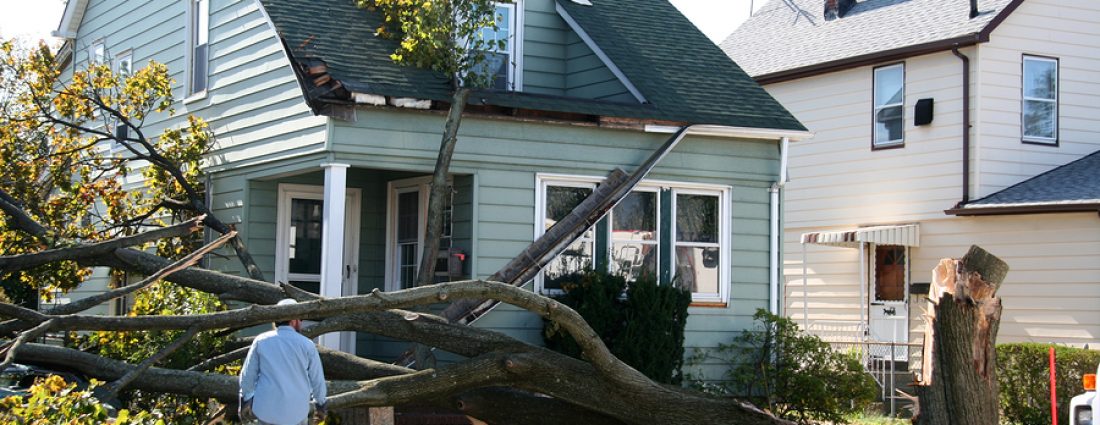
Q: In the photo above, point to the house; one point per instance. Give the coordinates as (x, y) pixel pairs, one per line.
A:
(325, 146)
(938, 124)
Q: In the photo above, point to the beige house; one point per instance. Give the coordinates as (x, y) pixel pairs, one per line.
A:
(894, 181)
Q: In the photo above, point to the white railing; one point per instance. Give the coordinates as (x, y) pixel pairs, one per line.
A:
(880, 358)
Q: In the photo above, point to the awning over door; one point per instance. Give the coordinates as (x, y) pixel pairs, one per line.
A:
(904, 235)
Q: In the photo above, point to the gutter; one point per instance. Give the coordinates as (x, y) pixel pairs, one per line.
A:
(966, 127)
(1025, 209)
(738, 132)
(776, 230)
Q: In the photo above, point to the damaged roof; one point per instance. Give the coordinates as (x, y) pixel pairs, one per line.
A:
(1072, 187)
(786, 37)
(680, 73)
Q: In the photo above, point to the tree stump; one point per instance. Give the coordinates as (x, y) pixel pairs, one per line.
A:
(958, 383)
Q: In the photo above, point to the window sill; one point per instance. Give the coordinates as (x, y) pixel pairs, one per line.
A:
(195, 97)
(887, 146)
(708, 304)
(1043, 142)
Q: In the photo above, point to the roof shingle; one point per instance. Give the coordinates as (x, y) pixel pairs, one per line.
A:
(1077, 182)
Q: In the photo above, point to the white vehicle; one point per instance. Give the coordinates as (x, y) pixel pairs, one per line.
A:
(1084, 409)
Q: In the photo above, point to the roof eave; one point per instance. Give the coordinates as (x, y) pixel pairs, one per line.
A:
(872, 58)
(70, 20)
(1024, 209)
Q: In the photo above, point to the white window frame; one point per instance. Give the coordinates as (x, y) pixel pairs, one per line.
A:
(97, 52)
(875, 108)
(1024, 99)
(198, 34)
(125, 58)
(543, 180)
(724, 265)
(394, 188)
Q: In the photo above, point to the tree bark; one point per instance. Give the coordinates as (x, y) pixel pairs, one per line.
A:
(958, 383)
(426, 272)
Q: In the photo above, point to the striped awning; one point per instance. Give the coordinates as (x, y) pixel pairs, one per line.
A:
(904, 235)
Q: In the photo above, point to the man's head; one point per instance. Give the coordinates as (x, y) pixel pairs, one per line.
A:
(294, 323)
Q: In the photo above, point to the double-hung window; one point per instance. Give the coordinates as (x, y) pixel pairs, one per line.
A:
(673, 232)
(889, 109)
(501, 55)
(1040, 100)
(199, 44)
(97, 53)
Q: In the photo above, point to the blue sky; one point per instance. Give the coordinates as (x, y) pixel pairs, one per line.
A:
(35, 19)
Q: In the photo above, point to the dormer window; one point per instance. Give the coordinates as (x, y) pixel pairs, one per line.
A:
(504, 62)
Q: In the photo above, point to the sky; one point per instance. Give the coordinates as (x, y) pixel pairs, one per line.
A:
(35, 19)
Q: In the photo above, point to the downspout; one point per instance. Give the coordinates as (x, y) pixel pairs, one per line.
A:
(966, 127)
(776, 230)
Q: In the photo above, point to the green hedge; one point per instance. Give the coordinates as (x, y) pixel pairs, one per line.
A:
(1024, 376)
(644, 329)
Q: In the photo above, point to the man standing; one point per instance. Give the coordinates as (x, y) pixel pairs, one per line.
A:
(280, 374)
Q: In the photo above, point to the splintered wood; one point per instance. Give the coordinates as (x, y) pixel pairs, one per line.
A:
(958, 382)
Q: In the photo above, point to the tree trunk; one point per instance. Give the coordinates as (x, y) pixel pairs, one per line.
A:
(425, 274)
(958, 382)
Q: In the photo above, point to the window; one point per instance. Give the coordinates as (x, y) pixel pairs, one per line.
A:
(890, 273)
(889, 112)
(1040, 100)
(502, 61)
(672, 231)
(97, 52)
(407, 218)
(200, 49)
(558, 200)
(124, 63)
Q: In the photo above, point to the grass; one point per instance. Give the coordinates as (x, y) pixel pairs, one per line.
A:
(867, 418)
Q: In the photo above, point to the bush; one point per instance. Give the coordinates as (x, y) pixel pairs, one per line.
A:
(52, 401)
(644, 329)
(795, 375)
(1023, 372)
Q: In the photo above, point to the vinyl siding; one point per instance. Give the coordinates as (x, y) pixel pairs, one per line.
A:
(588, 77)
(1066, 30)
(543, 48)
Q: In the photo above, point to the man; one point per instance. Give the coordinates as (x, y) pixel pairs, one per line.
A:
(280, 373)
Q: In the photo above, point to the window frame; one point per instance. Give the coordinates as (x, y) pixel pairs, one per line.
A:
(661, 187)
(656, 242)
(875, 108)
(127, 57)
(196, 11)
(97, 52)
(422, 187)
(1056, 101)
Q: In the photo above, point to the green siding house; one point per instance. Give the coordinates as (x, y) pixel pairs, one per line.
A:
(324, 146)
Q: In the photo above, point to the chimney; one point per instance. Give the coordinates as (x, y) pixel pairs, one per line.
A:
(973, 8)
(837, 8)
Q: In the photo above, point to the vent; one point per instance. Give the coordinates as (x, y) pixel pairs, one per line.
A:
(837, 8)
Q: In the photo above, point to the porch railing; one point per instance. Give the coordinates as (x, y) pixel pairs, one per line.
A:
(879, 358)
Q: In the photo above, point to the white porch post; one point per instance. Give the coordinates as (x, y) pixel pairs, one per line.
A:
(332, 237)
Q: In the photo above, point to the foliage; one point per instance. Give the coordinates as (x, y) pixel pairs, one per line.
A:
(644, 329)
(134, 347)
(69, 141)
(453, 37)
(795, 375)
(1023, 373)
(52, 401)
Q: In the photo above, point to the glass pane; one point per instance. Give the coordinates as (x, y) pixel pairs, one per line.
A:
(632, 260)
(406, 263)
(561, 200)
(697, 268)
(888, 124)
(890, 273)
(314, 287)
(1040, 79)
(408, 213)
(305, 236)
(889, 85)
(577, 257)
(635, 218)
(198, 82)
(697, 218)
(1039, 118)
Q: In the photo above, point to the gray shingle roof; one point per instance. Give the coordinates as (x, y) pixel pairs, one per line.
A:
(1077, 182)
(787, 35)
(682, 75)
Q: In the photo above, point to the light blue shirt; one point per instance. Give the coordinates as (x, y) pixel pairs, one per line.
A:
(280, 373)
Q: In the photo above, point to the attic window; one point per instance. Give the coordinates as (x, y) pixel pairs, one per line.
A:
(504, 62)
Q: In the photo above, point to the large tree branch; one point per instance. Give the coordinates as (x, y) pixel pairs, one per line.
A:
(130, 376)
(20, 218)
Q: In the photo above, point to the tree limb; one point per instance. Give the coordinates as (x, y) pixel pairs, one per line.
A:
(122, 382)
(11, 350)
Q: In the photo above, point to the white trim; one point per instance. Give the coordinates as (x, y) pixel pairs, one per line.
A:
(738, 132)
(875, 108)
(600, 53)
(724, 228)
(517, 43)
(71, 19)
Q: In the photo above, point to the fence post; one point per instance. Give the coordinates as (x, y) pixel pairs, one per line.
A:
(1053, 391)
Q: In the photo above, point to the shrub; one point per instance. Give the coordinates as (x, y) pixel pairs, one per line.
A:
(795, 375)
(1023, 372)
(644, 329)
(52, 401)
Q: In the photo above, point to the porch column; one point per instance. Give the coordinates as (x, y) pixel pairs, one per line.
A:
(332, 239)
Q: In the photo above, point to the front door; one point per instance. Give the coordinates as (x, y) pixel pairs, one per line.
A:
(407, 213)
(298, 242)
(889, 307)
